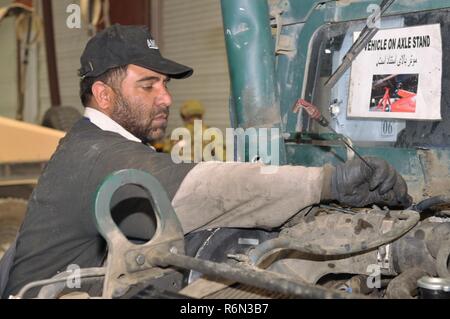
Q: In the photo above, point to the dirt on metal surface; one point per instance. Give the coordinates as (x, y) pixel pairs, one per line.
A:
(436, 173)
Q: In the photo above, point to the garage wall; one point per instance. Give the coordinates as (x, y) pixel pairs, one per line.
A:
(192, 33)
(70, 44)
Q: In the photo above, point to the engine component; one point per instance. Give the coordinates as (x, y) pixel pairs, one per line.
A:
(378, 243)
(434, 288)
(421, 248)
(404, 286)
(340, 234)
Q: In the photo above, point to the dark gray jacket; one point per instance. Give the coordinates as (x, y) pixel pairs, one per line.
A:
(59, 228)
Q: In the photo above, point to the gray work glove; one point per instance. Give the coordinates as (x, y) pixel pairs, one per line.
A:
(355, 184)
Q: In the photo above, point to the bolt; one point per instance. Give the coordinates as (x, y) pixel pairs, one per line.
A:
(174, 250)
(140, 260)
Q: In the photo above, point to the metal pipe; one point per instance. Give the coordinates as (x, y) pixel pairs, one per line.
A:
(251, 59)
(62, 277)
(251, 276)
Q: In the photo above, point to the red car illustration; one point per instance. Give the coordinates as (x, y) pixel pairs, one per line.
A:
(405, 104)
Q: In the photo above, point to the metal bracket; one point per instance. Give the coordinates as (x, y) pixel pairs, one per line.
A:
(284, 44)
(126, 261)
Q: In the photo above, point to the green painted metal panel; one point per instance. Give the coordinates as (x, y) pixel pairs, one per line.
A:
(426, 171)
(251, 57)
(291, 69)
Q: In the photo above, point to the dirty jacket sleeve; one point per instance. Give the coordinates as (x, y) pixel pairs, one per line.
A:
(215, 194)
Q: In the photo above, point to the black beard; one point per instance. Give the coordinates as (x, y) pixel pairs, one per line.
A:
(134, 121)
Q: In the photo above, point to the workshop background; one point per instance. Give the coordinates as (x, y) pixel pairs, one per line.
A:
(190, 32)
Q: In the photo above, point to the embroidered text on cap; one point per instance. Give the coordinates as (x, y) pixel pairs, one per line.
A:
(152, 44)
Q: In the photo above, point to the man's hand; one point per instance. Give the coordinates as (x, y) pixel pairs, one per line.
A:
(355, 184)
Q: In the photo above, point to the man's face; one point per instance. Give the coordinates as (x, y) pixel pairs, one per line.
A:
(142, 104)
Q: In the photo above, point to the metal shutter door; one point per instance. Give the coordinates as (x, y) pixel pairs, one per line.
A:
(192, 34)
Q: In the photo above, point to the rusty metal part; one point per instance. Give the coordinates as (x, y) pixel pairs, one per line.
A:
(250, 276)
(404, 286)
(339, 230)
(128, 263)
(312, 268)
(319, 236)
(418, 248)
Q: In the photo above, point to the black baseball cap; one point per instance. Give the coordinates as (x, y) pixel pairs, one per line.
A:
(121, 45)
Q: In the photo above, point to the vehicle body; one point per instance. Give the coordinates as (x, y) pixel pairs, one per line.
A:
(276, 53)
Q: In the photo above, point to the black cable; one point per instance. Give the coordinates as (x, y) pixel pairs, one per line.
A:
(430, 202)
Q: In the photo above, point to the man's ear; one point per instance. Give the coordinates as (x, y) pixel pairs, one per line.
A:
(103, 96)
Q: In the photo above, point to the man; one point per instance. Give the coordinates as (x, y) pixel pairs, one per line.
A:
(124, 89)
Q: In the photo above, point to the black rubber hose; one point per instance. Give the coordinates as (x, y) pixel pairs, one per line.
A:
(430, 202)
(61, 277)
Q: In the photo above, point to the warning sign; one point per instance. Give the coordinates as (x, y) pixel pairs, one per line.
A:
(398, 75)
